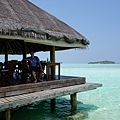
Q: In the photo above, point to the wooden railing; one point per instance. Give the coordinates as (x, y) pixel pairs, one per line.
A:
(41, 86)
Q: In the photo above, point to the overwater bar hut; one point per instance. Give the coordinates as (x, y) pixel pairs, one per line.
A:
(24, 26)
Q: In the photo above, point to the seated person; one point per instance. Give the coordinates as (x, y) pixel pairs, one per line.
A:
(34, 62)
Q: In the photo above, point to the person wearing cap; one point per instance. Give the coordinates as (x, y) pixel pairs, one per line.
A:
(34, 62)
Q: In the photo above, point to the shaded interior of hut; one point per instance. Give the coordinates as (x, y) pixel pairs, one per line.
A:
(14, 72)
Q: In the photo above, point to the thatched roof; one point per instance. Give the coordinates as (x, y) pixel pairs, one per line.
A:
(22, 20)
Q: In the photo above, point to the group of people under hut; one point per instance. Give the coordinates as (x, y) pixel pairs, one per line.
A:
(36, 70)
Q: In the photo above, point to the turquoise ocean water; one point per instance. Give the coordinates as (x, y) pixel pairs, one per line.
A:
(99, 104)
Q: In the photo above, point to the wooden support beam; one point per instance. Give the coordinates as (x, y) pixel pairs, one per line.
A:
(52, 54)
(73, 101)
(52, 59)
(6, 51)
(6, 115)
(53, 104)
(24, 49)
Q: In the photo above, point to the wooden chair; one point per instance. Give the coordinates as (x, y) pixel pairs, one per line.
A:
(25, 77)
(7, 74)
(7, 65)
(1, 65)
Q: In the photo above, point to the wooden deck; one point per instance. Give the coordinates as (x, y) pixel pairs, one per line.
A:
(25, 99)
(21, 95)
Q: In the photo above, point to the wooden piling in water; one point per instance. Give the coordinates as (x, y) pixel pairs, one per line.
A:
(53, 104)
(6, 115)
(73, 101)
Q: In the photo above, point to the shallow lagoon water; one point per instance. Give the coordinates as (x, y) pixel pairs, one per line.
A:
(99, 104)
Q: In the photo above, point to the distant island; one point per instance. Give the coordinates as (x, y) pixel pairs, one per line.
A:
(102, 62)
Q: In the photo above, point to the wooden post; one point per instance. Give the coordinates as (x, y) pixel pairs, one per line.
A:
(6, 115)
(52, 54)
(24, 49)
(53, 103)
(6, 51)
(73, 102)
(52, 59)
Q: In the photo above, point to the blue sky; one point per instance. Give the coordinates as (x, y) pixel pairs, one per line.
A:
(97, 20)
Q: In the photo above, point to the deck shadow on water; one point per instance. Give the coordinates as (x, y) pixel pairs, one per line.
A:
(63, 110)
(42, 111)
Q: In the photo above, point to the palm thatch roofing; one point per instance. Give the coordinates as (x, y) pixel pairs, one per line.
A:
(21, 20)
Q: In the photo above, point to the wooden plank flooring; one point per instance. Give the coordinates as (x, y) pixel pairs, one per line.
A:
(29, 98)
(40, 86)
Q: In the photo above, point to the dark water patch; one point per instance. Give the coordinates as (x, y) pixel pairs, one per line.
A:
(86, 107)
(63, 110)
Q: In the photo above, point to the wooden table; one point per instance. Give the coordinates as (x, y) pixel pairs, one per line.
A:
(49, 69)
